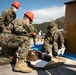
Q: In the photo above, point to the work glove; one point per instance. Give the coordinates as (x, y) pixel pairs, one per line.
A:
(61, 51)
(50, 54)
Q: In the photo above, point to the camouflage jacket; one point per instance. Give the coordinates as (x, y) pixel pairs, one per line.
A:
(33, 29)
(20, 28)
(5, 19)
(50, 39)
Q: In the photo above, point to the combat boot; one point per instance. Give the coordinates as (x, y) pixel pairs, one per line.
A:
(21, 66)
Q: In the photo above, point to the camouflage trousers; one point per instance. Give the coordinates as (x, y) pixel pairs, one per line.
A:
(21, 43)
(52, 48)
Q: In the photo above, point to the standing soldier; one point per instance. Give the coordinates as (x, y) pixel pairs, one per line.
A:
(52, 40)
(19, 39)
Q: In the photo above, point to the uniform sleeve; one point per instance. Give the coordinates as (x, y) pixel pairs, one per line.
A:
(18, 26)
(61, 38)
(33, 29)
(46, 39)
(10, 16)
(28, 29)
(2, 17)
(47, 45)
(7, 17)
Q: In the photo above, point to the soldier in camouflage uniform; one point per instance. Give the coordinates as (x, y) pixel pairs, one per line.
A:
(6, 19)
(19, 39)
(52, 39)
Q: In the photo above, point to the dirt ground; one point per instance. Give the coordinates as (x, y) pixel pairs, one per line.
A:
(68, 68)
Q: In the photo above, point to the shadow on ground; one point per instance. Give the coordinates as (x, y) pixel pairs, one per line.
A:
(61, 70)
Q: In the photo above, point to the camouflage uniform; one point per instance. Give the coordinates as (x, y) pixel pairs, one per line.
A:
(53, 41)
(6, 21)
(18, 39)
(23, 32)
(33, 29)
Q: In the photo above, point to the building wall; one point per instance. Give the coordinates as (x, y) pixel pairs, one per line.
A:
(70, 28)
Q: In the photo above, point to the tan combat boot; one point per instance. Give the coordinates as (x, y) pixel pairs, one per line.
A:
(22, 66)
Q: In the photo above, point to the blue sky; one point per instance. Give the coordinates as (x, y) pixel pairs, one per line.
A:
(44, 10)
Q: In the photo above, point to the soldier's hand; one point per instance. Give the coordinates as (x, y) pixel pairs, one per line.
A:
(61, 51)
(62, 46)
(50, 54)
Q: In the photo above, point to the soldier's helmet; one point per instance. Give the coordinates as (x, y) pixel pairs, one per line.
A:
(52, 26)
(16, 4)
(30, 15)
